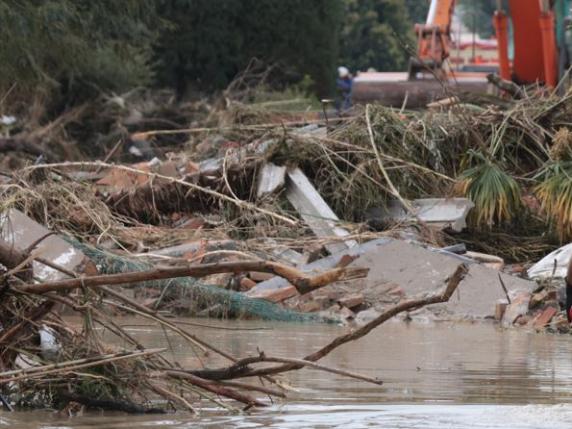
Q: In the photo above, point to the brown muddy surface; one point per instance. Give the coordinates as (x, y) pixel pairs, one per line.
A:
(436, 376)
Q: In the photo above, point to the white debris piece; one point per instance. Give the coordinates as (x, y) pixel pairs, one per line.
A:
(7, 120)
(271, 178)
(315, 211)
(48, 343)
(20, 231)
(440, 212)
(554, 265)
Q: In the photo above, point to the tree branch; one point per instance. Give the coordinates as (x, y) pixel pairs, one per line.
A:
(303, 282)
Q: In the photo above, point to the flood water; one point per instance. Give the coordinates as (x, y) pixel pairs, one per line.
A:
(435, 376)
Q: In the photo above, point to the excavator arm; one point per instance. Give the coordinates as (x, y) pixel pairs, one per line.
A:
(534, 40)
(433, 39)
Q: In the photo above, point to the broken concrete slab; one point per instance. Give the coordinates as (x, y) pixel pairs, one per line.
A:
(335, 260)
(270, 179)
(419, 271)
(289, 256)
(315, 211)
(19, 230)
(442, 213)
(284, 253)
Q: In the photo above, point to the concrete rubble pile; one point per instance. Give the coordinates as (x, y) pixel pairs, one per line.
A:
(181, 198)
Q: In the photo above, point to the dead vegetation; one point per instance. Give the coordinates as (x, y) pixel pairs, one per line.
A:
(203, 210)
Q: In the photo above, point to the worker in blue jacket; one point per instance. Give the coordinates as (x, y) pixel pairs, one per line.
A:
(344, 85)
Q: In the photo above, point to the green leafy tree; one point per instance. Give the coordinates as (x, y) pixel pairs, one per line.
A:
(66, 44)
(418, 10)
(477, 16)
(376, 33)
(212, 40)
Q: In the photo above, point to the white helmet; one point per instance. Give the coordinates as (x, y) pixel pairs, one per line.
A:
(343, 72)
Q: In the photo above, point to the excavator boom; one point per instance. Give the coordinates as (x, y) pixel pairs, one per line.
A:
(535, 47)
(440, 14)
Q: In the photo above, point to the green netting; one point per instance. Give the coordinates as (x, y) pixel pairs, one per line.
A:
(199, 296)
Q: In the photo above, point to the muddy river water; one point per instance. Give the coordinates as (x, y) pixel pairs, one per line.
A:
(436, 376)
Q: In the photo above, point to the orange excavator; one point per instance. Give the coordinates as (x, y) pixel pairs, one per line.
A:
(539, 41)
(538, 44)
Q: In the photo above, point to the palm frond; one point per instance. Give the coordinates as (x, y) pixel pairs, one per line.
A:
(555, 195)
(496, 194)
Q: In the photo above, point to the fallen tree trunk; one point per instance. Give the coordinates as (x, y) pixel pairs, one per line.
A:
(302, 281)
(235, 370)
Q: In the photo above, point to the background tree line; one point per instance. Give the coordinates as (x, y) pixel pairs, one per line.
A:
(76, 48)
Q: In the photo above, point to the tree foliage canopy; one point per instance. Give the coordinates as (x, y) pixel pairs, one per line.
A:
(418, 10)
(111, 45)
(376, 33)
(478, 15)
(212, 40)
(47, 42)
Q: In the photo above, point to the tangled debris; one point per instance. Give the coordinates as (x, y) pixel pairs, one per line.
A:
(249, 212)
(47, 361)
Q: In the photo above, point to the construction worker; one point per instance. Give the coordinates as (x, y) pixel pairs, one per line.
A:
(344, 88)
